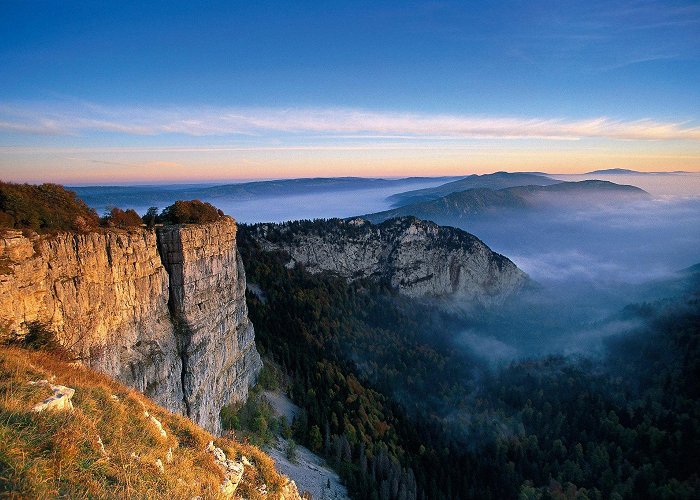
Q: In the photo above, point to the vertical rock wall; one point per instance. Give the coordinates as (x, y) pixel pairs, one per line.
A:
(106, 297)
(109, 296)
(207, 304)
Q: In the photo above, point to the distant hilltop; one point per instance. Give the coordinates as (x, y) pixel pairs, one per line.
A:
(625, 171)
(482, 201)
(417, 258)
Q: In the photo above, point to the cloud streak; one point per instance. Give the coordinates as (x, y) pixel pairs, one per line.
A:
(36, 119)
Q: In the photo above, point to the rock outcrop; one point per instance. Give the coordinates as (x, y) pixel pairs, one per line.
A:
(207, 305)
(419, 258)
(59, 401)
(183, 338)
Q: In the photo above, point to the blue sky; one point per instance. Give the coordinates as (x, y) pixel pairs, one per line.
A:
(100, 91)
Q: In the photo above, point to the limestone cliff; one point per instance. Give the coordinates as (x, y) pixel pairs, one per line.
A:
(182, 338)
(419, 258)
(207, 304)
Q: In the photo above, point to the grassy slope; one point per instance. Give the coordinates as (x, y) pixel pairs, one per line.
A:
(50, 454)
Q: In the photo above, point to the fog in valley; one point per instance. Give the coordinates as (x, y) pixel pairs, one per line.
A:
(588, 264)
(291, 202)
(587, 259)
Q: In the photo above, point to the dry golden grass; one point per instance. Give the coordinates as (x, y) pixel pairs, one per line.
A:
(57, 454)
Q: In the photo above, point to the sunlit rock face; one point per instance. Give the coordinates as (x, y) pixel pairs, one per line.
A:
(175, 328)
(419, 258)
(208, 308)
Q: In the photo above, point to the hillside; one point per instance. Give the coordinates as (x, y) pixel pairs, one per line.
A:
(419, 259)
(114, 442)
(398, 406)
(497, 180)
(494, 201)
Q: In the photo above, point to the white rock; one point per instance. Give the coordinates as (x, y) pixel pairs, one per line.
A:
(101, 445)
(156, 423)
(61, 399)
(233, 470)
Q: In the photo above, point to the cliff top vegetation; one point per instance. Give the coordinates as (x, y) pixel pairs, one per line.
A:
(44, 208)
(48, 208)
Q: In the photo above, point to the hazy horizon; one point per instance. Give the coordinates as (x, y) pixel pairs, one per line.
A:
(113, 93)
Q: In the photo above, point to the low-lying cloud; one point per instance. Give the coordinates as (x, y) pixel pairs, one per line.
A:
(211, 121)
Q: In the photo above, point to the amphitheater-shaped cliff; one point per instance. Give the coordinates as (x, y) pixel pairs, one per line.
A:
(162, 311)
(418, 258)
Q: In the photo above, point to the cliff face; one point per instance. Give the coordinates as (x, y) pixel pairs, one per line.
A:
(183, 339)
(419, 258)
(207, 304)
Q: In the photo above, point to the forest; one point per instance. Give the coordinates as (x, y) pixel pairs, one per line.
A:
(400, 413)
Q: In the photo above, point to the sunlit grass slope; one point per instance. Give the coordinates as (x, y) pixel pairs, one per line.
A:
(59, 453)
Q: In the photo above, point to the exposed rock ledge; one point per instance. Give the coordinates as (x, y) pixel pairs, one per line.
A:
(419, 258)
(164, 313)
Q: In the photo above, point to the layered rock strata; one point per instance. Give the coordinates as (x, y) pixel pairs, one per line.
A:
(419, 258)
(183, 338)
(208, 308)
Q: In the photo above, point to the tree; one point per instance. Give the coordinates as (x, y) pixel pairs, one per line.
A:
(190, 212)
(291, 451)
(315, 440)
(122, 218)
(151, 217)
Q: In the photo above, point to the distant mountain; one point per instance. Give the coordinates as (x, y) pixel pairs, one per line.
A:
(625, 171)
(100, 197)
(497, 180)
(482, 201)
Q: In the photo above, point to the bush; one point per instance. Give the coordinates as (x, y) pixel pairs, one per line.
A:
(190, 212)
(291, 451)
(122, 218)
(44, 208)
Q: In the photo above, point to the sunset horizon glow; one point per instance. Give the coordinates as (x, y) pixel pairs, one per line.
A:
(131, 93)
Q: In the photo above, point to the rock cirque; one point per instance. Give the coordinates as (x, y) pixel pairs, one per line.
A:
(419, 258)
(169, 321)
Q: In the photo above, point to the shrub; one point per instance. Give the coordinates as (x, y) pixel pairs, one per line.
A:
(39, 337)
(190, 212)
(44, 208)
(122, 218)
(291, 451)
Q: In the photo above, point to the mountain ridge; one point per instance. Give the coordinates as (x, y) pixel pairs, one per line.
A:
(482, 200)
(496, 180)
(418, 258)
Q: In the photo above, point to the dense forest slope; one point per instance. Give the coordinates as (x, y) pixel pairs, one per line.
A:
(401, 413)
(418, 258)
(108, 441)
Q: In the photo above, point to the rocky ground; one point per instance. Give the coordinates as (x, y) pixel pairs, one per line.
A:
(308, 471)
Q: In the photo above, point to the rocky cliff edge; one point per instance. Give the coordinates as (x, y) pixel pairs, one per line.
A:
(418, 258)
(163, 312)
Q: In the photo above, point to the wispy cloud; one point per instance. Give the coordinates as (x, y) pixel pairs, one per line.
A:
(269, 122)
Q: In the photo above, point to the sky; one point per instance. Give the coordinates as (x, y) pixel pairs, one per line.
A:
(139, 92)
